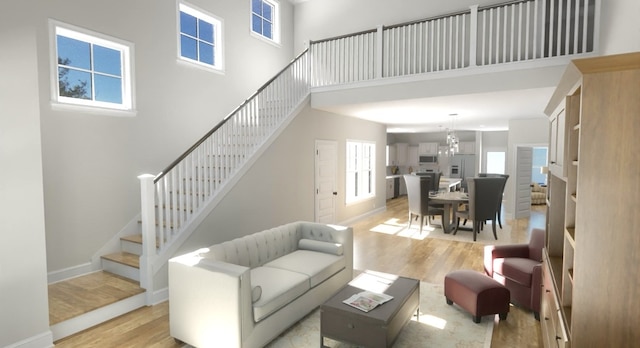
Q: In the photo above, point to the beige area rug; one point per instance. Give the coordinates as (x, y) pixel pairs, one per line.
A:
(439, 325)
(399, 228)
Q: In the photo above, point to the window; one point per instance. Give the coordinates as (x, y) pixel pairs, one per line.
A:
(360, 183)
(539, 161)
(495, 162)
(264, 19)
(91, 69)
(200, 39)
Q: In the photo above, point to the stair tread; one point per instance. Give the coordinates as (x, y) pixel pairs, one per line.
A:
(124, 258)
(76, 296)
(137, 238)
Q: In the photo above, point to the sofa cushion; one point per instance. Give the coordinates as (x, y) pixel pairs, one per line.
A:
(517, 269)
(317, 266)
(279, 287)
(323, 247)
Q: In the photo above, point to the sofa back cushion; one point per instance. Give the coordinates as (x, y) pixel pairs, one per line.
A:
(256, 249)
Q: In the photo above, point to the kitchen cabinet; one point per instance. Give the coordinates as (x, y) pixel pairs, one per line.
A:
(590, 290)
(402, 154)
(428, 148)
(391, 155)
(390, 188)
(413, 157)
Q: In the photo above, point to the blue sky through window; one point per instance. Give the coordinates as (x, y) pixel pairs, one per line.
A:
(197, 39)
(262, 18)
(89, 71)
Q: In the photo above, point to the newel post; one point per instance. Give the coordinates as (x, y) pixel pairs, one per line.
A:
(147, 215)
(473, 36)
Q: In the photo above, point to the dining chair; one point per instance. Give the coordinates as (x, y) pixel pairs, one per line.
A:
(418, 197)
(485, 195)
(494, 175)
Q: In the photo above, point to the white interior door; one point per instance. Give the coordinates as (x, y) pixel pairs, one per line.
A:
(524, 160)
(326, 177)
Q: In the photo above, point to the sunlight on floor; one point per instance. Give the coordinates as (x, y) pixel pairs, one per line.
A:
(431, 320)
(395, 227)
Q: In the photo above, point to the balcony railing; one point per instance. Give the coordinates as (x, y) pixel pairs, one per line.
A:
(509, 32)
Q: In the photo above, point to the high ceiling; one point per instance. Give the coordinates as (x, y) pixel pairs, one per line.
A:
(480, 111)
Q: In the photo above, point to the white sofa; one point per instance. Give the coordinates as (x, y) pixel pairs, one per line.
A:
(245, 292)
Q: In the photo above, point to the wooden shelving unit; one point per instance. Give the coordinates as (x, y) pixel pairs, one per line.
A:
(592, 245)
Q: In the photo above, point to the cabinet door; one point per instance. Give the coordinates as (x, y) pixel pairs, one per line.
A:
(402, 150)
(428, 148)
(556, 142)
(389, 188)
(392, 155)
(413, 156)
(467, 148)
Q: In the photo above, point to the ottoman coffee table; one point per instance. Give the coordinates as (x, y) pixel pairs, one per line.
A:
(380, 326)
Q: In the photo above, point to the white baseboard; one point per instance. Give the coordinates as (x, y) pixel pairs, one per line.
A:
(363, 216)
(43, 340)
(71, 272)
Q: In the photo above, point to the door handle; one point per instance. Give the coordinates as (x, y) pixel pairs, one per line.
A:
(335, 193)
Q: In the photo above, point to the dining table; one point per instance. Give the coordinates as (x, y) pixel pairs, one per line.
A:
(451, 200)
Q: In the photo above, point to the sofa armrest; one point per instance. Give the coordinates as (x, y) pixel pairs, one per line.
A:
(209, 301)
(536, 288)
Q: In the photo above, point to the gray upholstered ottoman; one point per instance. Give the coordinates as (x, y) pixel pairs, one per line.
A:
(477, 294)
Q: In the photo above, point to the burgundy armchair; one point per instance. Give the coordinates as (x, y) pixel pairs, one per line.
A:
(519, 268)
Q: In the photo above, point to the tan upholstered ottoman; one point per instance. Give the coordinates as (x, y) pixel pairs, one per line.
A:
(477, 294)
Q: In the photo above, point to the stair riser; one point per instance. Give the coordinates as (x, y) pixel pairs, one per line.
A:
(131, 247)
(121, 270)
(98, 316)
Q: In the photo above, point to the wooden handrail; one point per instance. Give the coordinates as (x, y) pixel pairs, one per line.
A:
(225, 119)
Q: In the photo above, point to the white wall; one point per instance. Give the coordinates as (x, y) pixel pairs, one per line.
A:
(532, 132)
(24, 312)
(620, 27)
(91, 160)
(279, 188)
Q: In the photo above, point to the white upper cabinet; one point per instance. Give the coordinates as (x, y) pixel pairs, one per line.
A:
(428, 149)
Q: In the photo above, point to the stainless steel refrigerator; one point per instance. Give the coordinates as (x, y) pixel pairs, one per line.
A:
(462, 166)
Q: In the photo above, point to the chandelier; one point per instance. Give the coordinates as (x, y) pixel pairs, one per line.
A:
(452, 140)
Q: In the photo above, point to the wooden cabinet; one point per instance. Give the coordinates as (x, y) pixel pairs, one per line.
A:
(557, 136)
(591, 278)
(428, 148)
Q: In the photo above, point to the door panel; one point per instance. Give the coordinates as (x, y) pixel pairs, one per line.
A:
(523, 182)
(325, 180)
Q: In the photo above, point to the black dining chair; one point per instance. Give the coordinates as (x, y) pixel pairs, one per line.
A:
(418, 197)
(505, 177)
(485, 195)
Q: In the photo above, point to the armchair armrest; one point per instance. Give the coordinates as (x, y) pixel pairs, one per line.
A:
(536, 288)
(492, 252)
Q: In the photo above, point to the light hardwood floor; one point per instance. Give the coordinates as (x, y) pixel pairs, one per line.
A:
(428, 260)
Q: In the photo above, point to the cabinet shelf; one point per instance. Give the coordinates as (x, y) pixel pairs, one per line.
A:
(574, 162)
(574, 197)
(570, 234)
(576, 127)
(570, 273)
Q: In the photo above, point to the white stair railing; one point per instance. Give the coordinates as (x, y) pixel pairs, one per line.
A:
(504, 33)
(173, 198)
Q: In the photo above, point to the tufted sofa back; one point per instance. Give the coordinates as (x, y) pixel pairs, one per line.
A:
(256, 249)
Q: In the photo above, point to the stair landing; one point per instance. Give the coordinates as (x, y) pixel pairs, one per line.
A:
(81, 295)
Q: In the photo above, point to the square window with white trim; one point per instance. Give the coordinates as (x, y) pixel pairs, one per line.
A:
(265, 19)
(200, 37)
(91, 69)
(360, 181)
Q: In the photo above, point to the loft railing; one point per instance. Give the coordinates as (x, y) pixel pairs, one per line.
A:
(509, 32)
